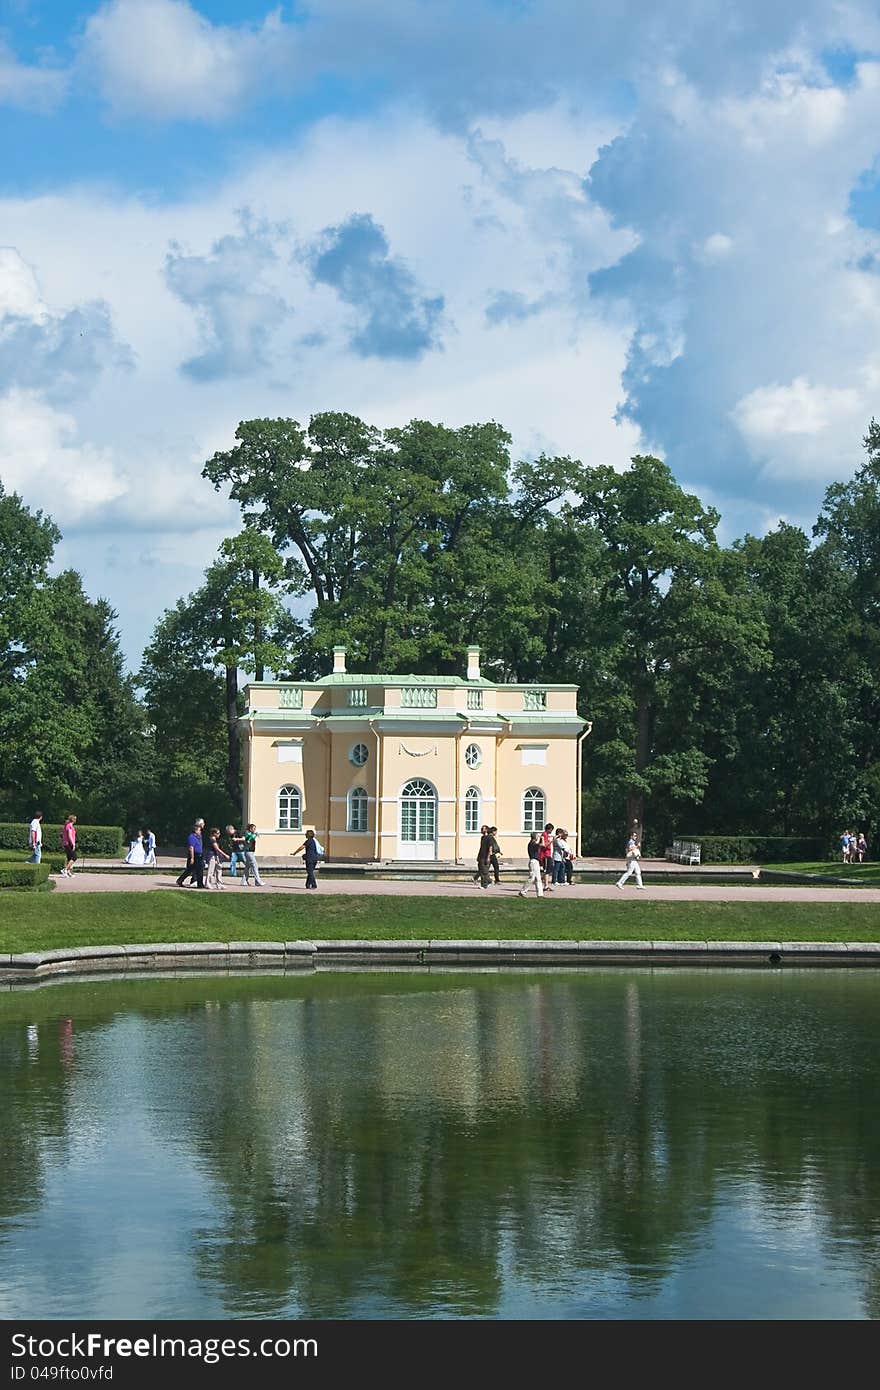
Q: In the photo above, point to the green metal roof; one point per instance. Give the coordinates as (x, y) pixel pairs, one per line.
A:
(349, 679)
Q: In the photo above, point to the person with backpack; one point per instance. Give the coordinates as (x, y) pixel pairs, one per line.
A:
(313, 851)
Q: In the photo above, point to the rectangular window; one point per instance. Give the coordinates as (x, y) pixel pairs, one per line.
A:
(290, 699)
(475, 699)
(534, 699)
(357, 695)
(357, 811)
(533, 753)
(418, 697)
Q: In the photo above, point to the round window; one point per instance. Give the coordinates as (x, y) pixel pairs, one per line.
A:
(359, 754)
(472, 755)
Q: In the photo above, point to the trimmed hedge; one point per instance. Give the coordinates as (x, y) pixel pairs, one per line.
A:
(33, 876)
(757, 849)
(9, 857)
(103, 841)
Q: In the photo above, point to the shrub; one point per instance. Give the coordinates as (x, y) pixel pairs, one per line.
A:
(757, 849)
(102, 841)
(10, 857)
(33, 876)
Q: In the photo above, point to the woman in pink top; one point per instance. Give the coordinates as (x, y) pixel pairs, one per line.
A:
(68, 844)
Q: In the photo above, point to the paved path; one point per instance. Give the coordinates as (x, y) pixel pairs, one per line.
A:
(144, 880)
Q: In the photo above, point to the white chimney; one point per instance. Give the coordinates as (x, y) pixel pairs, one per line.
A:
(473, 666)
(339, 661)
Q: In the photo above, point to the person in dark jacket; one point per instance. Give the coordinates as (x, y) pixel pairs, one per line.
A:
(487, 840)
(310, 850)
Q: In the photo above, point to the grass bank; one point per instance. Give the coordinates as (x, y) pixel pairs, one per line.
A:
(39, 923)
(858, 875)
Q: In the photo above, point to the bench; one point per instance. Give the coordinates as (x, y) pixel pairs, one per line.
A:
(684, 852)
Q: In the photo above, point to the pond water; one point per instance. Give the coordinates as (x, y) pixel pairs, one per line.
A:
(597, 1144)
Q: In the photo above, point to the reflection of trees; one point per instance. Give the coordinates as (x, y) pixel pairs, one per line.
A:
(35, 1062)
(409, 1148)
(420, 1143)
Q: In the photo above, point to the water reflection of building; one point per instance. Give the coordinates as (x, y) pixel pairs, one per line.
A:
(408, 1138)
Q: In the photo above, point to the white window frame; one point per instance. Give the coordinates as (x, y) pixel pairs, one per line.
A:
(358, 762)
(532, 797)
(473, 756)
(293, 796)
(358, 797)
(473, 803)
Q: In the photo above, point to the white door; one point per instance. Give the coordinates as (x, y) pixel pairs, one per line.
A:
(418, 821)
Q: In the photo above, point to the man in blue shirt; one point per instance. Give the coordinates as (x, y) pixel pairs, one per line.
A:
(195, 859)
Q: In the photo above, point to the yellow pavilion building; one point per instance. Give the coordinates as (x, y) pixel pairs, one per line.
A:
(402, 768)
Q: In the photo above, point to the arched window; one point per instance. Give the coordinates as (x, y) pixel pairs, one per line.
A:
(473, 755)
(289, 808)
(472, 811)
(418, 814)
(534, 813)
(359, 754)
(357, 808)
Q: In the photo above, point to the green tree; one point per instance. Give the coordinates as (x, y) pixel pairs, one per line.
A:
(849, 527)
(393, 534)
(234, 623)
(672, 618)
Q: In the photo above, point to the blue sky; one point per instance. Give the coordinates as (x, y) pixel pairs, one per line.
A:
(613, 228)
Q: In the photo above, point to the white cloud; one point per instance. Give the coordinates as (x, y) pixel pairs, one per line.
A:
(799, 408)
(29, 88)
(163, 60)
(61, 354)
(804, 430)
(237, 309)
(43, 458)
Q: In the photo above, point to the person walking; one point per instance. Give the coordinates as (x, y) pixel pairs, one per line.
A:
(845, 846)
(484, 830)
(311, 852)
(195, 862)
(250, 856)
(149, 848)
(487, 840)
(35, 837)
(68, 844)
(495, 855)
(633, 855)
(213, 855)
(547, 856)
(861, 847)
(535, 876)
(236, 849)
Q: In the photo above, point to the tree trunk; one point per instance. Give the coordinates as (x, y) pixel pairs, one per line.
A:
(233, 748)
(258, 631)
(635, 801)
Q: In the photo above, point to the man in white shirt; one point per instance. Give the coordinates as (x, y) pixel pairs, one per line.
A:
(633, 855)
(35, 838)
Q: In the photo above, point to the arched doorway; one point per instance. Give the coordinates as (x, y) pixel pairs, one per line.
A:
(418, 820)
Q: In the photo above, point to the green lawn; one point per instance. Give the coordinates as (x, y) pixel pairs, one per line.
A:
(40, 921)
(860, 875)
